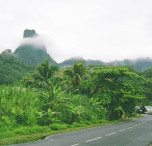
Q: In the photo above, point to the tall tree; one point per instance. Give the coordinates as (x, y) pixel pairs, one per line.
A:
(76, 73)
(44, 72)
(42, 76)
(115, 88)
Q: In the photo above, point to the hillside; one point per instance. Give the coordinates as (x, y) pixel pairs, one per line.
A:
(11, 69)
(33, 55)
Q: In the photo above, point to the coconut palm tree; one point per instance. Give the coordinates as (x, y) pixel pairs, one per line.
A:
(76, 73)
(44, 72)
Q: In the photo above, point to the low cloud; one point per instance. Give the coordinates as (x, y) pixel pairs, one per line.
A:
(36, 41)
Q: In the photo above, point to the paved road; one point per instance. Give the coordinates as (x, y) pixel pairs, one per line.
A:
(137, 132)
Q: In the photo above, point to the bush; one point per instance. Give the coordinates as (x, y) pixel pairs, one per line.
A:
(103, 121)
(117, 113)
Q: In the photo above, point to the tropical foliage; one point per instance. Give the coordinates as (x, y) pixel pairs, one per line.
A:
(41, 77)
(114, 87)
(12, 70)
(48, 97)
(76, 73)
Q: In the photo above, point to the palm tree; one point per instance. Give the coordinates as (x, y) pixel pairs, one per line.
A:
(44, 72)
(76, 73)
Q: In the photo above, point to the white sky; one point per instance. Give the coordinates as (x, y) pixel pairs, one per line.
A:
(93, 29)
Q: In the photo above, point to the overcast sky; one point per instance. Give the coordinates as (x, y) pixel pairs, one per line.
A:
(93, 29)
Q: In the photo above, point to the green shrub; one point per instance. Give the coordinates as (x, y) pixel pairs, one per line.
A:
(117, 113)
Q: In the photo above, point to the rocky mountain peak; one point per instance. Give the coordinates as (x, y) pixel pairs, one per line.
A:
(29, 33)
(32, 50)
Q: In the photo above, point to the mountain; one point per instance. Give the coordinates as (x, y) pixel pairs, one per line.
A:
(90, 62)
(139, 63)
(29, 33)
(32, 50)
(71, 61)
(11, 69)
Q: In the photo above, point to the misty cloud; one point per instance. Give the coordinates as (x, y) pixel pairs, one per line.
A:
(35, 41)
(106, 30)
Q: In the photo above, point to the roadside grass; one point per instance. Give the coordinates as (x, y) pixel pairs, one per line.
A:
(138, 116)
(29, 134)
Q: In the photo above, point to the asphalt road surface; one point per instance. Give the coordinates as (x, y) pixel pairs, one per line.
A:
(137, 132)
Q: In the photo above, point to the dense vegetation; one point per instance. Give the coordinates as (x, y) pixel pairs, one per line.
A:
(53, 97)
(46, 98)
(12, 70)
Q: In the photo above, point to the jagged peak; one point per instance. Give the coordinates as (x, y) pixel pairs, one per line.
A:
(29, 33)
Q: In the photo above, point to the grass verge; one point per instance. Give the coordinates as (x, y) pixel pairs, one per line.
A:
(30, 134)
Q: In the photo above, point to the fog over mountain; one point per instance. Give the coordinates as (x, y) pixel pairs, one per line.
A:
(32, 50)
(139, 63)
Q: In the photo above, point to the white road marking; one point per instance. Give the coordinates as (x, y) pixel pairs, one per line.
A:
(93, 139)
(110, 134)
(121, 130)
(129, 127)
(74, 144)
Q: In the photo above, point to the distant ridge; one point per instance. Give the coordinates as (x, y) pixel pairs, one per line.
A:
(139, 63)
(71, 61)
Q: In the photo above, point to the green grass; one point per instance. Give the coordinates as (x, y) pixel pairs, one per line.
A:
(30, 134)
(58, 127)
